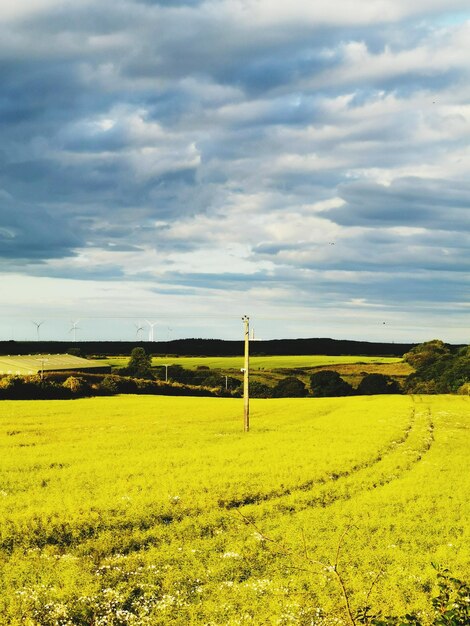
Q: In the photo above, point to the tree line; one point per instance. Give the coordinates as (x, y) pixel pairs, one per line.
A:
(439, 368)
(214, 347)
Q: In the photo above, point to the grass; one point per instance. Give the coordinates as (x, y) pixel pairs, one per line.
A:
(133, 510)
(259, 362)
(270, 369)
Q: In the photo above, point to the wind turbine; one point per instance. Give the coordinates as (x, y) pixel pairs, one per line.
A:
(74, 328)
(38, 326)
(139, 331)
(151, 335)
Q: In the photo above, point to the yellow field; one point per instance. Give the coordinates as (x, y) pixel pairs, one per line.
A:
(133, 510)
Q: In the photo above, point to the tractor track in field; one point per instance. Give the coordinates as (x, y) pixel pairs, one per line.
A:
(333, 477)
(390, 463)
(404, 453)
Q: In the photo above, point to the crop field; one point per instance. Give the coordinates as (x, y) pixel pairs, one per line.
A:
(160, 511)
(270, 370)
(259, 362)
(32, 363)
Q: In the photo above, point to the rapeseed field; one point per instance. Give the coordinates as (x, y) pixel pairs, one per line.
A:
(161, 511)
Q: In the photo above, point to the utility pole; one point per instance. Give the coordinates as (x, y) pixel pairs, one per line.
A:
(42, 359)
(246, 375)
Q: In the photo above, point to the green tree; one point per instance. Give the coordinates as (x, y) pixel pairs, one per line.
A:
(260, 390)
(426, 353)
(179, 374)
(327, 383)
(457, 372)
(140, 364)
(438, 369)
(373, 384)
(290, 387)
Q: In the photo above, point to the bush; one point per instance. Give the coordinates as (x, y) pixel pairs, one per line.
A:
(59, 386)
(211, 380)
(109, 385)
(327, 383)
(464, 389)
(289, 387)
(21, 387)
(451, 606)
(176, 373)
(76, 385)
(232, 383)
(414, 385)
(31, 388)
(373, 384)
(259, 390)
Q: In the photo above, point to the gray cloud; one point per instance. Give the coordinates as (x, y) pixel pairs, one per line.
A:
(175, 132)
(383, 290)
(32, 233)
(426, 203)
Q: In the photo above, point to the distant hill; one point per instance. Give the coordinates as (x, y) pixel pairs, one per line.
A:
(211, 347)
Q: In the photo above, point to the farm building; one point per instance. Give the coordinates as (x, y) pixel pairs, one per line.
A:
(29, 364)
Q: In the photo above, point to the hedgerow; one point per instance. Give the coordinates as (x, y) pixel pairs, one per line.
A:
(73, 385)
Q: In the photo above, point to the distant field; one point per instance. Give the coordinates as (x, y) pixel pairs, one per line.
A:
(259, 362)
(354, 372)
(32, 363)
(270, 369)
(131, 510)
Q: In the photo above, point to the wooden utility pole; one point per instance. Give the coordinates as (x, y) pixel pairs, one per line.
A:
(246, 375)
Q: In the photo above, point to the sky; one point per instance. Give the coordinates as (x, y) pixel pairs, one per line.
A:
(189, 162)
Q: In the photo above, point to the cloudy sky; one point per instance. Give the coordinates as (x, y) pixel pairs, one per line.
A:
(189, 161)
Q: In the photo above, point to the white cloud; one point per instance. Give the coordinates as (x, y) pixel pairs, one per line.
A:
(12, 10)
(250, 154)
